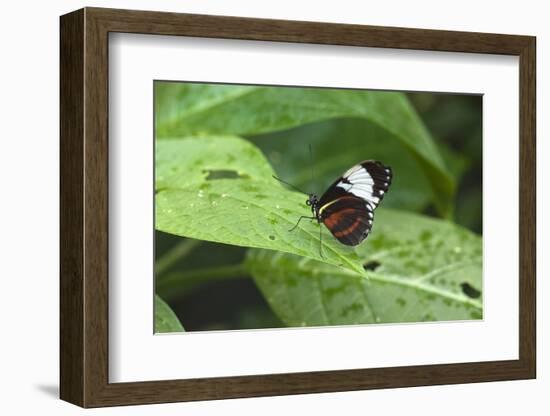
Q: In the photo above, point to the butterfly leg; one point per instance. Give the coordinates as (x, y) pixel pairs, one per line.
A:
(321, 241)
(300, 219)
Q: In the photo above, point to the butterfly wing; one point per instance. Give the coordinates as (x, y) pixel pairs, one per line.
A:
(348, 219)
(347, 207)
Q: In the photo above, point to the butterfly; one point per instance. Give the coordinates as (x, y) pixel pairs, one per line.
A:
(347, 206)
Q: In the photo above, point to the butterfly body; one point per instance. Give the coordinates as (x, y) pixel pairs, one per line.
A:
(347, 206)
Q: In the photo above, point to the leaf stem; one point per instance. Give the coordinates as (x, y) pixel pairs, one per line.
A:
(179, 251)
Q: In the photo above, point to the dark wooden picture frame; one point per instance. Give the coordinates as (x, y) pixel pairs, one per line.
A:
(84, 207)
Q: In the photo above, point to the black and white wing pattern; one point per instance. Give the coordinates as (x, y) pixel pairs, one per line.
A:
(347, 207)
(369, 180)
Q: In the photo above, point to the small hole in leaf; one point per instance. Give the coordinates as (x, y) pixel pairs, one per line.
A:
(222, 174)
(470, 291)
(272, 237)
(371, 265)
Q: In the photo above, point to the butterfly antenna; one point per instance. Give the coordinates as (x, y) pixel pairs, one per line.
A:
(321, 241)
(289, 184)
(311, 164)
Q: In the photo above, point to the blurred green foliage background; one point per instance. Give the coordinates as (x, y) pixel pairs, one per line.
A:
(231, 299)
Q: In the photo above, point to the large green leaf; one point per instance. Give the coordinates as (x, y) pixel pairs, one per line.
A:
(165, 318)
(419, 269)
(190, 109)
(233, 200)
(180, 163)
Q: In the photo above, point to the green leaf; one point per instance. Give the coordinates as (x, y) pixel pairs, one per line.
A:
(249, 208)
(165, 318)
(184, 109)
(420, 269)
(179, 164)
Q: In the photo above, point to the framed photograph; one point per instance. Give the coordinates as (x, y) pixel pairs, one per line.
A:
(255, 207)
